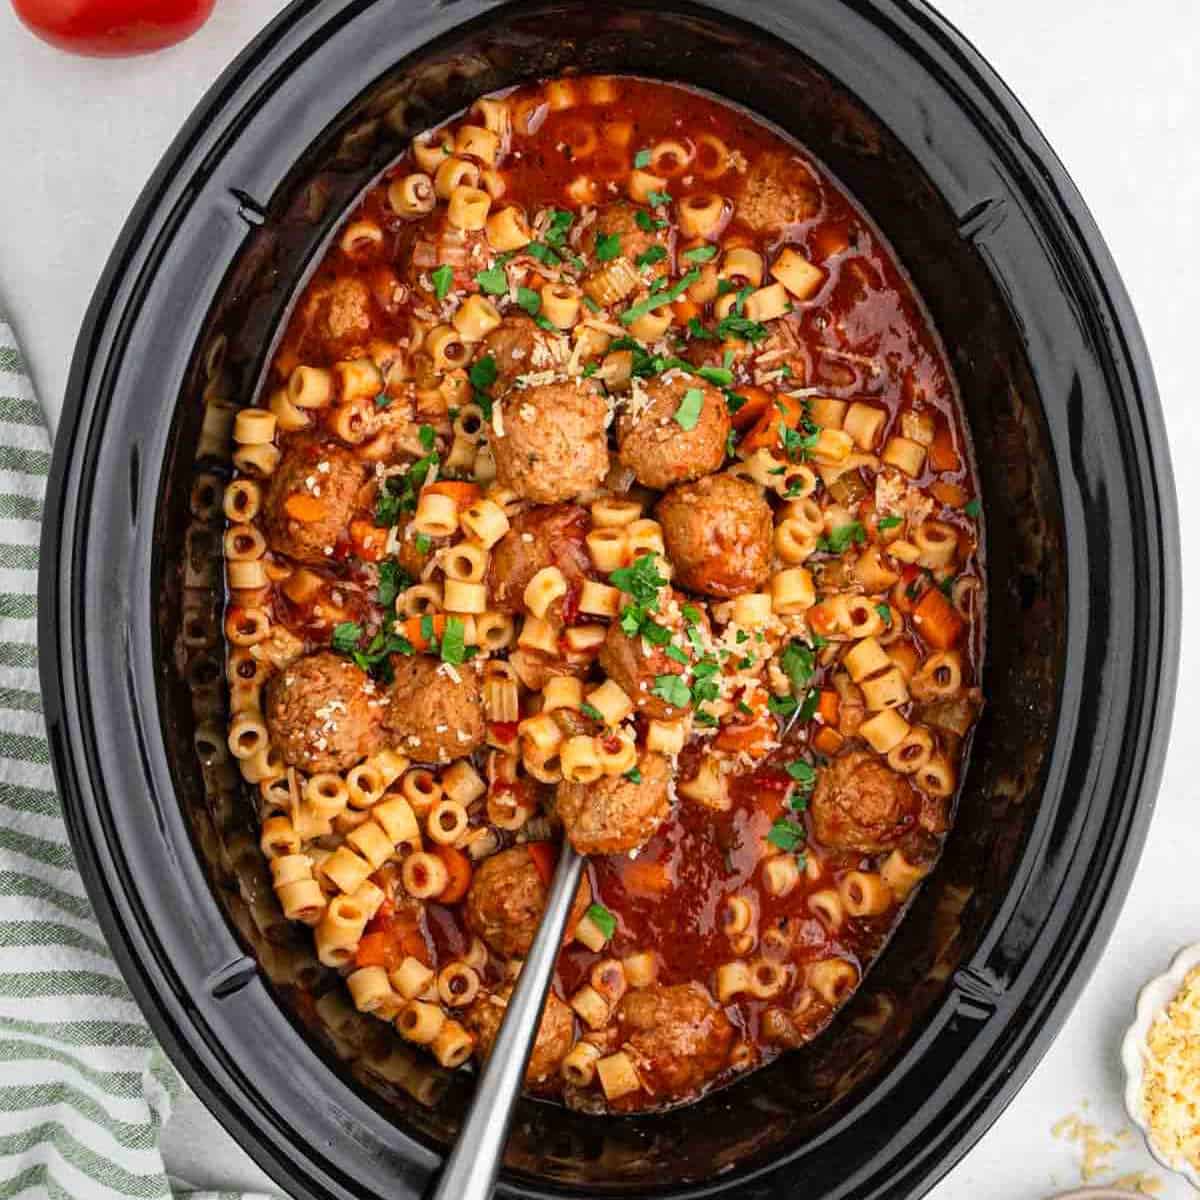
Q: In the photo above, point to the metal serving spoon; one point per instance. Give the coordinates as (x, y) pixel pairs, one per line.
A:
(474, 1163)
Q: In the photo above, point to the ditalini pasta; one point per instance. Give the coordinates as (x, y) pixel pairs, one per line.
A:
(609, 484)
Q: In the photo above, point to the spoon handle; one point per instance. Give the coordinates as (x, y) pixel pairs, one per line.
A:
(474, 1163)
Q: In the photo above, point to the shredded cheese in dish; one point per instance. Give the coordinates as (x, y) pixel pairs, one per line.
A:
(1171, 1083)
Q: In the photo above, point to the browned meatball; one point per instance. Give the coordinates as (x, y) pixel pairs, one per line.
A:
(550, 535)
(435, 718)
(555, 1035)
(324, 474)
(633, 664)
(680, 1036)
(859, 803)
(554, 445)
(670, 441)
(506, 901)
(323, 713)
(614, 814)
(518, 347)
(777, 190)
(620, 220)
(717, 532)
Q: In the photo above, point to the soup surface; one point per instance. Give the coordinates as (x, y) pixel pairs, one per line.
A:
(610, 484)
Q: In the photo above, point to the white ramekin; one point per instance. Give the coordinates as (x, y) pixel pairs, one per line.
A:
(1152, 999)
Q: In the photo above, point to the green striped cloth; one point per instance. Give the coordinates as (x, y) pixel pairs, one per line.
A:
(84, 1089)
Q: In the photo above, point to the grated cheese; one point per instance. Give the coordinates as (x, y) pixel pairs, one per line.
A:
(1171, 1082)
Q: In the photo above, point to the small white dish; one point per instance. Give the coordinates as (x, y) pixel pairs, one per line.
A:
(1151, 1001)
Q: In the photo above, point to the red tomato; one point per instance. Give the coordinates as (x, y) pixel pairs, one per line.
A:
(113, 28)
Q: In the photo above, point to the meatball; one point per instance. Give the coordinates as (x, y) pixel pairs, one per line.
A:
(777, 190)
(670, 441)
(325, 478)
(518, 347)
(555, 1035)
(549, 535)
(859, 803)
(554, 445)
(323, 713)
(615, 814)
(507, 899)
(717, 532)
(680, 1037)
(633, 664)
(435, 718)
(620, 220)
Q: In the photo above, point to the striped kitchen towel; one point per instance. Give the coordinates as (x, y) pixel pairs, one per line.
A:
(84, 1090)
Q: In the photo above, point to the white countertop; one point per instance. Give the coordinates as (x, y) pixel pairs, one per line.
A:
(1116, 89)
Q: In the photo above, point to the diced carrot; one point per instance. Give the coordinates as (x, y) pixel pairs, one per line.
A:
(827, 706)
(784, 410)
(302, 507)
(942, 455)
(412, 630)
(458, 866)
(684, 310)
(950, 494)
(461, 491)
(758, 400)
(545, 858)
(750, 737)
(535, 281)
(937, 620)
(390, 945)
(827, 741)
(900, 598)
(822, 618)
(645, 878)
(368, 541)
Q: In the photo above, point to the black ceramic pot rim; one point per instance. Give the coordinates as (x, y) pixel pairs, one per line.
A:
(1104, 840)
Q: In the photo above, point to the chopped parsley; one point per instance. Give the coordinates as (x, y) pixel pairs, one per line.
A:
(781, 706)
(973, 509)
(560, 223)
(423, 543)
(700, 253)
(398, 493)
(640, 579)
(666, 296)
(483, 372)
(543, 253)
(698, 331)
(382, 400)
(608, 246)
(641, 159)
(786, 835)
(602, 919)
(742, 327)
(673, 690)
(650, 256)
(634, 775)
(590, 710)
(838, 540)
(678, 655)
(691, 614)
(652, 631)
(346, 640)
(393, 579)
(947, 586)
(722, 377)
(885, 614)
(529, 300)
(442, 278)
(656, 199)
(798, 663)
(733, 402)
(688, 413)
(454, 643)
(428, 438)
(731, 443)
(493, 281)
(802, 773)
(886, 523)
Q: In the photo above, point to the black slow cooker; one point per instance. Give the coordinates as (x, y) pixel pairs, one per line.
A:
(1082, 550)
